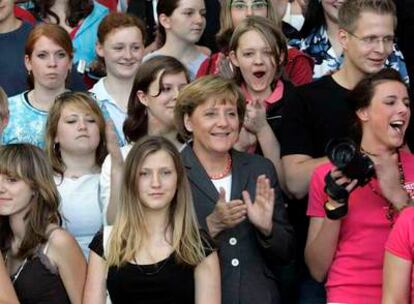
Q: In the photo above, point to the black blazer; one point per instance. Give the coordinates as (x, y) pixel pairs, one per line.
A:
(247, 258)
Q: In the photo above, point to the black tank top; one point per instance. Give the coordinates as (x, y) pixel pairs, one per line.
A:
(38, 281)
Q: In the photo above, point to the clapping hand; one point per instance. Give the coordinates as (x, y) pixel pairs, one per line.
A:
(245, 141)
(224, 67)
(226, 214)
(255, 118)
(260, 212)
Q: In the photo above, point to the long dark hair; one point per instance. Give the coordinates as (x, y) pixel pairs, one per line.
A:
(361, 96)
(166, 7)
(136, 123)
(314, 18)
(77, 10)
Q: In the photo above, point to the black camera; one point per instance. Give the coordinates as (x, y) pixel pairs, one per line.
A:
(345, 155)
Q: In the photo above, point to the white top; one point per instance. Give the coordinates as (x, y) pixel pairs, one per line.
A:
(115, 111)
(80, 207)
(224, 183)
(192, 67)
(105, 179)
(295, 20)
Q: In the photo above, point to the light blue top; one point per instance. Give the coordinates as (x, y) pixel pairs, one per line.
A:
(26, 123)
(85, 38)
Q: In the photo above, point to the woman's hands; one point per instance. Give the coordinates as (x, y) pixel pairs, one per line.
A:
(254, 124)
(226, 214)
(341, 181)
(255, 119)
(260, 212)
(389, 180)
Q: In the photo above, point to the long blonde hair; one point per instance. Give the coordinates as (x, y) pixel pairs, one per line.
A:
(130, 228)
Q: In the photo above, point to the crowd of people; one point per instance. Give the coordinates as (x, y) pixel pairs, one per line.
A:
(206, 151)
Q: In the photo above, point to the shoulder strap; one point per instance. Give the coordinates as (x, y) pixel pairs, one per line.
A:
(106, 233)
(49, 233)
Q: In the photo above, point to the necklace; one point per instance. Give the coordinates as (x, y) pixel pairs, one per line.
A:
(368, 153)
(16, 275)
(390, 209)
(152, 269)
(225, 172)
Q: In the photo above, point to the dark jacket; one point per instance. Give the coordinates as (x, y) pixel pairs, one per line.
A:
(247, 258)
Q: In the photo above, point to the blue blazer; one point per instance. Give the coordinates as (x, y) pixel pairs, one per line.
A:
(247, 258)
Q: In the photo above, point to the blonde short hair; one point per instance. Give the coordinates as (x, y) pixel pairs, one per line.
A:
(197, 92)
(80, 100)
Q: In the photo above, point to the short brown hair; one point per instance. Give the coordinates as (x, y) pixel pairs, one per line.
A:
(114, 21)
(270, 33)
(81, 100)
(197, 92)
(350, 12)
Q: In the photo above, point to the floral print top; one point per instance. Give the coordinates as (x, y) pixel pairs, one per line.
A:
(317, 46)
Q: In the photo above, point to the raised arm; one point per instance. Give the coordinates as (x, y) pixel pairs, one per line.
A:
(116, 172)
(323, 233)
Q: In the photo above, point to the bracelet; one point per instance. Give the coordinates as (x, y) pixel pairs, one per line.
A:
(335, 213)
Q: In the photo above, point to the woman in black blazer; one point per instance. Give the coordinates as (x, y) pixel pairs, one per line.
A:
(236, 195)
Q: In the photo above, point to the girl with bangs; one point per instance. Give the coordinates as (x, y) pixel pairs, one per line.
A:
(75, 146)
(39, 255)
(298, 68)
(154, 252)
(258, 53)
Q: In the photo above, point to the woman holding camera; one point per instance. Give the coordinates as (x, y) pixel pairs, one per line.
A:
(349, 227)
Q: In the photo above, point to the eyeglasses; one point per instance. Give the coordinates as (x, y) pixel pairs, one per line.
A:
(254, 5)
(372, 41)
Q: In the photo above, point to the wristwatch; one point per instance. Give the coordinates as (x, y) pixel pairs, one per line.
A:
(335, 213)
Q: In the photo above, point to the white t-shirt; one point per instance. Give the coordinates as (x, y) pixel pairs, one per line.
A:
(81, 207)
